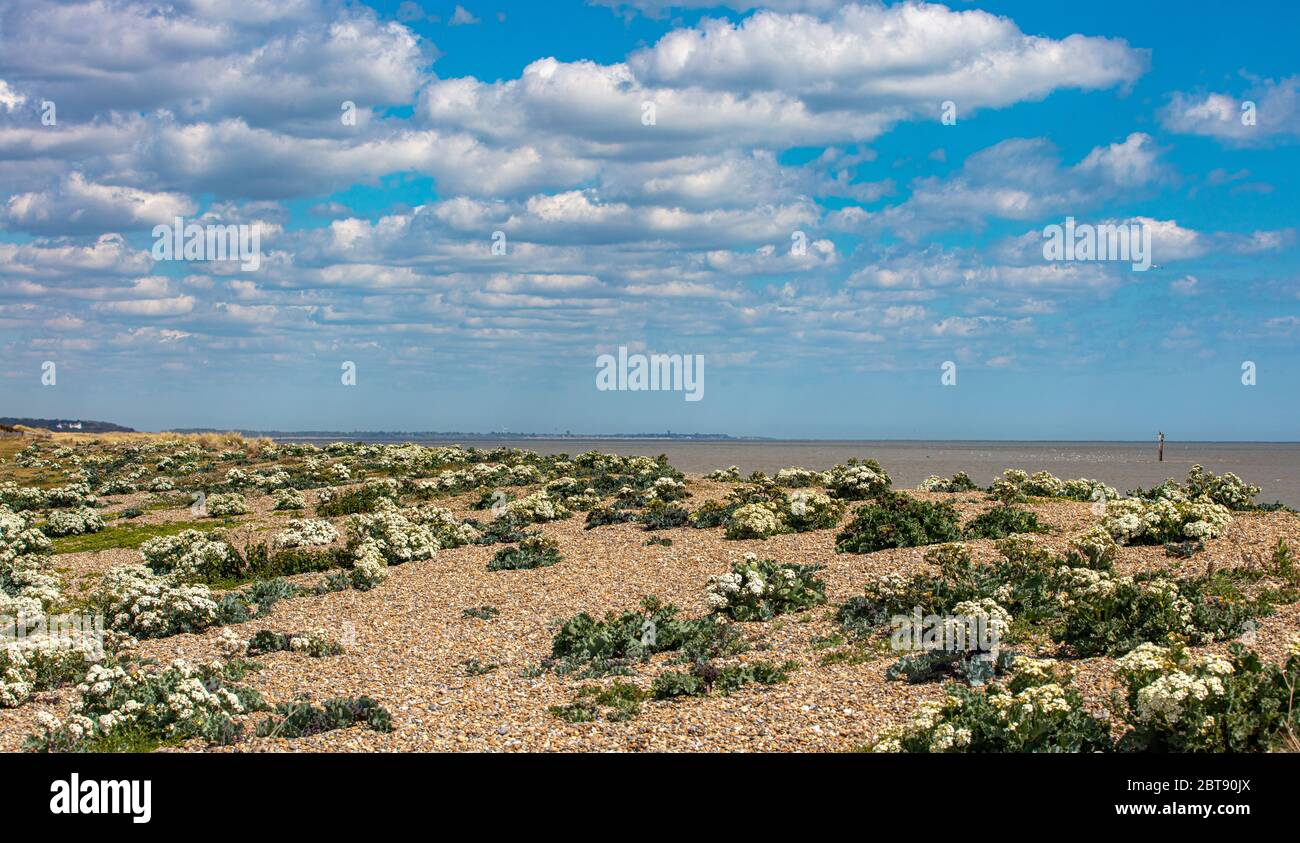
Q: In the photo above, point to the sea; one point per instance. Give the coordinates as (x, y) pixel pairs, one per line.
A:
(1273, 466)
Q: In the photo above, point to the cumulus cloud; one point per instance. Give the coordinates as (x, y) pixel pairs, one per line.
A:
(1269, 111)
(76, 206)
(1016, 179)
(913, 56)
(270, 64)
(733, 180)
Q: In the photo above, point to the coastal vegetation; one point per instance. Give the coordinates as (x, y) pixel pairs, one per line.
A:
(1184, 597)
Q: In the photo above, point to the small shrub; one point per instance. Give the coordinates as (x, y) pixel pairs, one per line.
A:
(357, 500)
(1036, 711)
(960, 482)
(602, 516)
(1002, 521)
(610, 645)
(973, 669)
(761, 589)
(754, 521)
(221, 506)
(704, 678)
(300, 719)
(857, 480)
(532, 552)
(1179, 702)
(314, 643)
(1164, 519)
(711, 514)
(1226, 489)
(897, 520)
(662, 516)
(812, 511)
(74, 522)
(620, 701)
(145, 706)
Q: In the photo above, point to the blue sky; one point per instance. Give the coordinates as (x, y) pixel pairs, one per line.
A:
(923, 238)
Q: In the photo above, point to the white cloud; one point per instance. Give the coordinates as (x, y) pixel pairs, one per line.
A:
(77, 206)
(175, 306)
(1276, 113)
(462, 17)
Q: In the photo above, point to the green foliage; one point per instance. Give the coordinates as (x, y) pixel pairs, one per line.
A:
(610, 645)
(263, 561)
(475, 667)
(1178, 702)
(712, 514)
(663, 516)
(897, 520)
(620, 701)
(760, 589)
(705, 677)
(602, 516)
(1002, 521)
(506, 529)
(1184, 549)
(1107, 615)
(129, 536)
(1036, 711)
(857, 480)
(1283, 563)
(532, 552)
(300, 719)
(973, 668)
(138, 707)
(255, 601)
(363, 498)
(266, 641)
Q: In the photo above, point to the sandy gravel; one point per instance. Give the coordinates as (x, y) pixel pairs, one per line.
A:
(411, 640)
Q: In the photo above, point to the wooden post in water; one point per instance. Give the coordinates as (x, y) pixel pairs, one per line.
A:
(1161, 450)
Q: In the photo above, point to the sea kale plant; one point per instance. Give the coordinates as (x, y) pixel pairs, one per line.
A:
(1036, 711)
(960, 482)
(597, 647)
(760, 589)
(857, 480)
(703, 678)
(300, 718)
(1002, 521)
(1169, 517)
(754, 521)
(140, 706)
(532, 552)
(894, 519)
(1176, 701)
(812, 511)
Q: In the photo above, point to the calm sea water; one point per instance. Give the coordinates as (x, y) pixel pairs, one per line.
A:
(1275, 467)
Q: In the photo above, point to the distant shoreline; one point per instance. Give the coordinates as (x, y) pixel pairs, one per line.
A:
(707, 438)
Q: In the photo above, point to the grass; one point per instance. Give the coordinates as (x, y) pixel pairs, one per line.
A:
(620, 701)
(129, 740)
(129, 536)
(42, 478)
